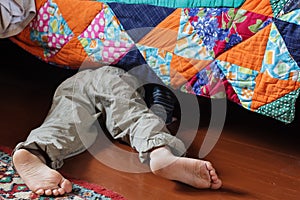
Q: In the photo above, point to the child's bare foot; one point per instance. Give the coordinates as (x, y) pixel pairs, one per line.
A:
(194, 172)
(38, 177)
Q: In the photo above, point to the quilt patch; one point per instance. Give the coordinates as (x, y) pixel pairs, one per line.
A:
(244, 50)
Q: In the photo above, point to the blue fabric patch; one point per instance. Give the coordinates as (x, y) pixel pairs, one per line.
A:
(184, 3)
(134, 63)
(290, 33)
(132, 59)
(291, 5)
(139, 19)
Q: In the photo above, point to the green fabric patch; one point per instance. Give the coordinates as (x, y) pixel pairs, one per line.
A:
(277, 6)
(282, 109)
(183, 3)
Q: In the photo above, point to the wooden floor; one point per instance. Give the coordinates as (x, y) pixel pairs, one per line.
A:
(256, 157)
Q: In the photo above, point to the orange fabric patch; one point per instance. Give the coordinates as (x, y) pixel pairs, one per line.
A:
(164, 35)
(85, 12)
(71, 55)
(269, 89)
(39, 3)
(28, 45)
(250, 53)
(262, 7)
(183, 69)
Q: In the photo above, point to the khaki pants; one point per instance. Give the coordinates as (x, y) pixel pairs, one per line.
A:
(78, 103)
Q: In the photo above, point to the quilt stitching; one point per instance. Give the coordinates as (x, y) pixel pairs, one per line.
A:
(251, 49)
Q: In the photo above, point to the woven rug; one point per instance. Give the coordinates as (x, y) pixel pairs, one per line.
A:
(12, 186)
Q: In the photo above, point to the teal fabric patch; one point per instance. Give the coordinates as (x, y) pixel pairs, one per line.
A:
(282, 109)
(278, 60)
(183, 3)
(277, 6)
(242, 80)
(159, 62)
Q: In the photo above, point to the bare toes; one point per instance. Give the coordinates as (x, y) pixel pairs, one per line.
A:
(66, 185)
(208, 165)
(61, 191)
(55, 192)
(214, 178)
(216, 184)
(40, 192)
(213, 173)
(48, 192)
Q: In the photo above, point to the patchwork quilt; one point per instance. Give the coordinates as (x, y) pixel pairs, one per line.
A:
(247, 51)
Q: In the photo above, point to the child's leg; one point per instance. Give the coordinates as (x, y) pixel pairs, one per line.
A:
(127, 116)
(72, 111)
(129, 119)
(57, 138)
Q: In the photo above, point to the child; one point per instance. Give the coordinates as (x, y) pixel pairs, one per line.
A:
(116, 96)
